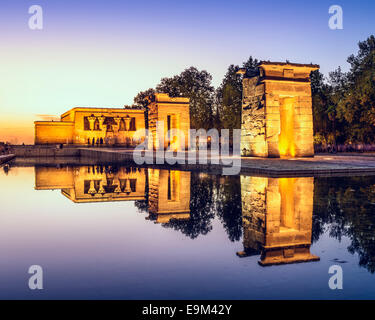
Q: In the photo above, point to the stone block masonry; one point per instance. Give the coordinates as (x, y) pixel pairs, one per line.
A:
(277, 111)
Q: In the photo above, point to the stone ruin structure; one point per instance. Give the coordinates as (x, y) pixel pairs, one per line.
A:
(121, 126)
(277, 111)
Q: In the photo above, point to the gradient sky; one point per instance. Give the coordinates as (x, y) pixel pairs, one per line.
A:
(102, 53)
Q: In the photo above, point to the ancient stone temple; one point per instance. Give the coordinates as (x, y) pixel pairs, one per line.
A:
(93, 126)
(277, 219)
(277, 111)
(120, 126)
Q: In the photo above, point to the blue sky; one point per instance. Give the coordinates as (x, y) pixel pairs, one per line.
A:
(102, 53)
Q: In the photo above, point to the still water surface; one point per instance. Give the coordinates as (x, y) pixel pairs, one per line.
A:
(132, 233)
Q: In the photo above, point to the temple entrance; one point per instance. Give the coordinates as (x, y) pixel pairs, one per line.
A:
(287, 132)
(276, 116)
(172, 125)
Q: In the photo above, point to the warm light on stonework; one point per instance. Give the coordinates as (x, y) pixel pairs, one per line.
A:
(286, 137)
(277, 111)
(119, 126)
(277, 219)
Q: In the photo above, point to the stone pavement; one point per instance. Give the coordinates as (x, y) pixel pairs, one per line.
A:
(320, 165)
(341, 164)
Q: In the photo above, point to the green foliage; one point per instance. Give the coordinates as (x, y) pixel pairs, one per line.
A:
(229, 95)
(344, 207)
(209, 108)
(343, 103)
(344, 106)
(140, 98)
(141, 102)
(196, 85)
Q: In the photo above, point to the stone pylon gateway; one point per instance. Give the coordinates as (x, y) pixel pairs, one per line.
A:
(277, 111)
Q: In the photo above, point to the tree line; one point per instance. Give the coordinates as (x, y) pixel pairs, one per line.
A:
(210, 107)
(343, 102)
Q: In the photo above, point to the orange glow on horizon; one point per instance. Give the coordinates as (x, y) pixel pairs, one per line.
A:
(16, 129)
(19, 128)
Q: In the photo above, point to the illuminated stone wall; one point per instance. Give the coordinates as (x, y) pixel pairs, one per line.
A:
(98, 126)
(277, 111)
(277, 219)
(175, 114)
(54, 132)
(113, 126)
(116, 126)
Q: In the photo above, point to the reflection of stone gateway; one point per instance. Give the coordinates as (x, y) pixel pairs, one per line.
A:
(277, 219)
(168, 191)
(93, 183)
(277, 111)
(169, 194)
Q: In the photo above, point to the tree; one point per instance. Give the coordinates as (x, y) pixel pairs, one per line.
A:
(195, 85)
(357, 104)
(229, 205)
(343, 206)
(319, 106)
(337, 84)
(229, 99)
(229, 94)
(202, 208)
(140, 101)
(140, 98)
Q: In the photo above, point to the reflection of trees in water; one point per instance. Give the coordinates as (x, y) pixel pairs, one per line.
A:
(210, 196)
(342, 206)
(201, 208)
(142, 205)
(229, 207)
(346, 207)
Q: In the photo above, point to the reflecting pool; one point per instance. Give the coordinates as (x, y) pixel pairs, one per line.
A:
(111, 232)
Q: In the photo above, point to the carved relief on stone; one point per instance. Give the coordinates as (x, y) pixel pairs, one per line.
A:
(91, 119)
(101, 121)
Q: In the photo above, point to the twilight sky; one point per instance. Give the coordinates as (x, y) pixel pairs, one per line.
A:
(102, 53)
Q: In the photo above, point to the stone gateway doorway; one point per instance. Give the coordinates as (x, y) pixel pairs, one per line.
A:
(286, 137)
(276, 117)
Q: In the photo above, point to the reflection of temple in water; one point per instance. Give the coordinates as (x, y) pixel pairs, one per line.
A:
(169, 195)
(93, 183)
(168, 190)
(276, 213)
(277, 219)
